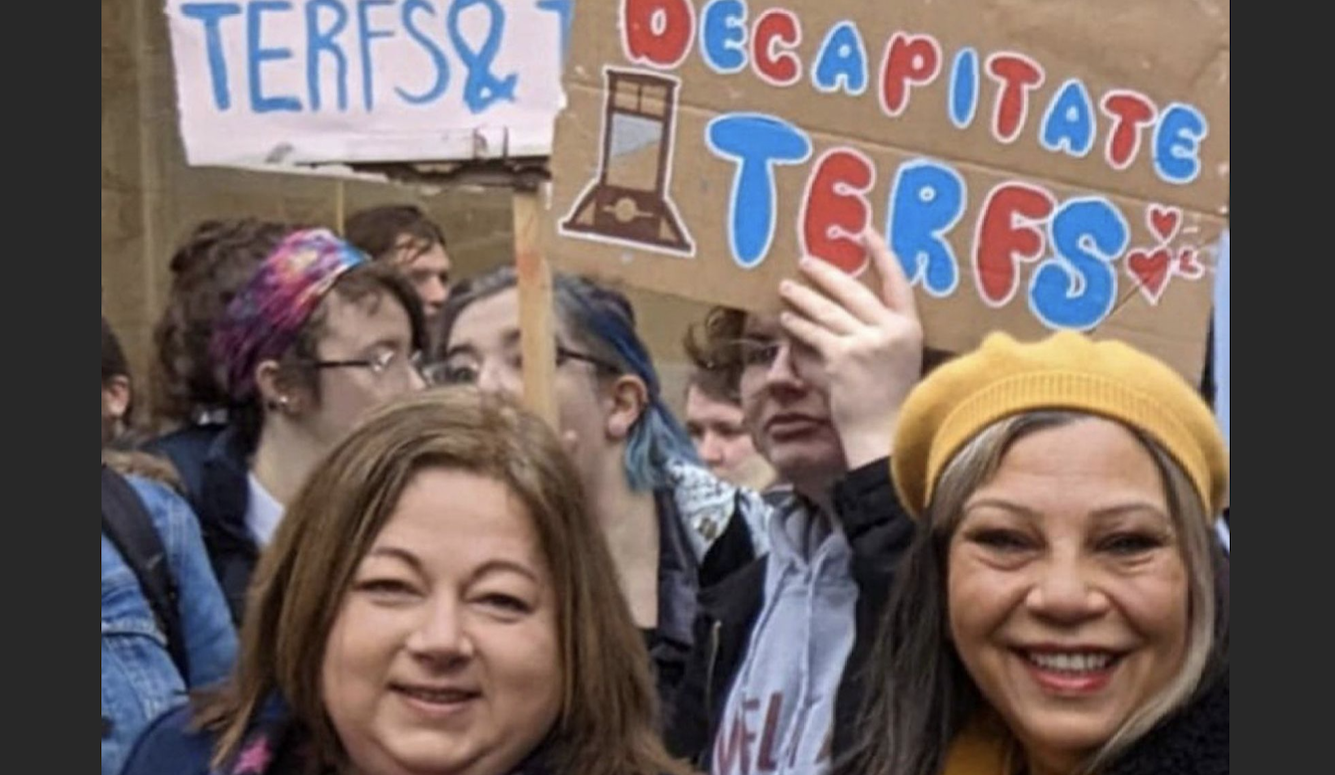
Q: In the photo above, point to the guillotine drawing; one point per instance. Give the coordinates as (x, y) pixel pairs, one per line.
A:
(628, 201)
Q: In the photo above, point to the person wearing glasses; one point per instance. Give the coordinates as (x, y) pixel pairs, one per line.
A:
(774, 683)
(314, 339)
(660, 509)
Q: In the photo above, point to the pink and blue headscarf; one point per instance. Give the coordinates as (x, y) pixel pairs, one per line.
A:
(266, 315)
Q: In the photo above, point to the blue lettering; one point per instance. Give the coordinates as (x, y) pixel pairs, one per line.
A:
(482, 88)
(1177, 143)
(842, 57)
(437, 56)
(723, 36)
(1069, 122)
(259, 55)
(366, 36)
(964, 88)
(323, 40)
(562, 8)
(757, 142)
(926, 201)
(211, 15)
(1076, 288)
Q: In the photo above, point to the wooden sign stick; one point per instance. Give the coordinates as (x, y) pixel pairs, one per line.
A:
(537, 331)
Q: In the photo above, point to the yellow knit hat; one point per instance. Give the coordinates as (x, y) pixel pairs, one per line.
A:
(1066, 370)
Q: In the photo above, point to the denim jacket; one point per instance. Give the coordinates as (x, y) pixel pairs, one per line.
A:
(139, 680)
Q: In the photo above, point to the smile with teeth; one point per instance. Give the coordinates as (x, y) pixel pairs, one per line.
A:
(1071, 662)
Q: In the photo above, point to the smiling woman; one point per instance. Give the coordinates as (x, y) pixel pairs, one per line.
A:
(437, 600)
(1063, 609)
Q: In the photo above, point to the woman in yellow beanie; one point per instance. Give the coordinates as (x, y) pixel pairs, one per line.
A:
(1064, 608)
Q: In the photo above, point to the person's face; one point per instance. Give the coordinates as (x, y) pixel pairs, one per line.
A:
(115, 404)
(484, 349)
(785, 402)
(1068, 588)
(444, 655)
(375, 329)
(429, 272)
(719, 432)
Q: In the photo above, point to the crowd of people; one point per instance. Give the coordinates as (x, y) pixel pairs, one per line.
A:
(340, 544)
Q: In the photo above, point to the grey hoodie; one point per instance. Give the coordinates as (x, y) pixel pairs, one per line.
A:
(778, 715)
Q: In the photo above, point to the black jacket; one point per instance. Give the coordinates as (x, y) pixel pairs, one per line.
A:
(187, 448)
(879, 531)
(220, 502)
(1193, 741)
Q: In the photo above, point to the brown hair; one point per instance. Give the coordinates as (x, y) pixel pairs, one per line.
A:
(607, 723)
(717, 373)
(710, 346)
(113, 357)
(365, 281)
(121, 453)
(376, 230)
(207, 268)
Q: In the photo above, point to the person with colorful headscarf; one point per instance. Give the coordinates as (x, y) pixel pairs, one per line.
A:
(314, 339)
(188, 404)
(659, 506)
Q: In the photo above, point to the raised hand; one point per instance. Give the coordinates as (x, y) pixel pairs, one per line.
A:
(870, 345)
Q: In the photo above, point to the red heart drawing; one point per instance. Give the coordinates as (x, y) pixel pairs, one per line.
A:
(1188, 266)
(1151, 270)
(1163, 221)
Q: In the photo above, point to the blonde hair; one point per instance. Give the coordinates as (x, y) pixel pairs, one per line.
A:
(607, 721)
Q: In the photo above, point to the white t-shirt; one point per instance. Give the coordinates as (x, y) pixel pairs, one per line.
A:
(263, 513)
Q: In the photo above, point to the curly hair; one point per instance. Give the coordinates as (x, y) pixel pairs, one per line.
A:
(207, 268)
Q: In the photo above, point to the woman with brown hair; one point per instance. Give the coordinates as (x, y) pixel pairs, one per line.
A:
(1063, 609)
(438, 599)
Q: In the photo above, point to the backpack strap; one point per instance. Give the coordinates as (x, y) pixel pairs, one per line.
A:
(127, 524)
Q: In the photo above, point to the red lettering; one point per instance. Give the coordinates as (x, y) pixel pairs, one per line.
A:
(1018, 75)
(766, 762)
(835, 208)
(909, 59)
(734, 746)
(657, 32)
(1007, 234)
(728, 747)
(1130, 111)
(773, 27)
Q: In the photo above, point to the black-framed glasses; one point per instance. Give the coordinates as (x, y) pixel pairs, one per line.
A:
(564, 354)
(466, 369)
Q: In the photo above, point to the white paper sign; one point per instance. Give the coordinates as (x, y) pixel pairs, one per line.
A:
(312, 81)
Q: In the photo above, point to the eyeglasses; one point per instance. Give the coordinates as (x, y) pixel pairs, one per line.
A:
(378, 364)
(564, 354)
(467, 369)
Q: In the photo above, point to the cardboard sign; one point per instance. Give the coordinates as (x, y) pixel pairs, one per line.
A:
(1034, 165)
(313, 81)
